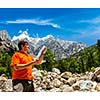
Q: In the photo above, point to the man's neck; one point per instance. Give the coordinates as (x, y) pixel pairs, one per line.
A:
(25, 52)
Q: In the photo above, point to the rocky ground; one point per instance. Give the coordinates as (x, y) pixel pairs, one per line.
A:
(56, 81)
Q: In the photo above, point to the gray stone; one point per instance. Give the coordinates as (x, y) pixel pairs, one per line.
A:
(97, 87)
(56, 70)
(71, 81)
(66, 75)
(18, 87)
(68, 89)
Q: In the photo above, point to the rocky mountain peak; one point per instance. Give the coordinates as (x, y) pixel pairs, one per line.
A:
(4, 36)
(5, 42)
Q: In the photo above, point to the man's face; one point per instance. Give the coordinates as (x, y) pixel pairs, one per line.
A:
(25, 47)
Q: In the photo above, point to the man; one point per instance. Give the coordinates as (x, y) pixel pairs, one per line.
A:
(22, 64)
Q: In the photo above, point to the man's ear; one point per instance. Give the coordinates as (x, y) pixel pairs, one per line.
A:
(21, 47)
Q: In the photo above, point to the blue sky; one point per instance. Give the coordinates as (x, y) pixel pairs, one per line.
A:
(74, 24)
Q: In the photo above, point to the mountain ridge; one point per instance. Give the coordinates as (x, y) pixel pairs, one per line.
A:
(61, 48)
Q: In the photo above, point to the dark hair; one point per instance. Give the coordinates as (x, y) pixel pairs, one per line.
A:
(22, 42)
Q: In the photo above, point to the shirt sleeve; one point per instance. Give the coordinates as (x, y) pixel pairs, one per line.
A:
(15, 60)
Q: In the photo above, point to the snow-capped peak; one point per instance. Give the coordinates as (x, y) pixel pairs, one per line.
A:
(47, 37)
(23, 35)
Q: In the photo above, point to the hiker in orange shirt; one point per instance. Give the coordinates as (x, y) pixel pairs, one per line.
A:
(22, 64)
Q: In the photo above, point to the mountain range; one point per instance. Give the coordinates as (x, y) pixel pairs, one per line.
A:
(61, 48)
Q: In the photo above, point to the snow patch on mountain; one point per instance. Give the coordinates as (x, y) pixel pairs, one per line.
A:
(23, 35)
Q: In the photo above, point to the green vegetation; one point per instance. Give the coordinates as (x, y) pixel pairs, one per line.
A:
(5, 60)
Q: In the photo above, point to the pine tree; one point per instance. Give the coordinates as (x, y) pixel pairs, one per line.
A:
(98, 46)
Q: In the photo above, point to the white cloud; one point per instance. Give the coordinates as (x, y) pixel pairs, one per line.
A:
(35, 21)
(91, 21)
(92, 31)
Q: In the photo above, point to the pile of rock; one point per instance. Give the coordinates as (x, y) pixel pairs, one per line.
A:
(5, 84)
(56, 81)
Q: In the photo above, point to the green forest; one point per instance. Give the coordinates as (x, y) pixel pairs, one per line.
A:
(85, 60)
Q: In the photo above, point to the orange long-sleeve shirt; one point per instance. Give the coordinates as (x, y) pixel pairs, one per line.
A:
(22, 58)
